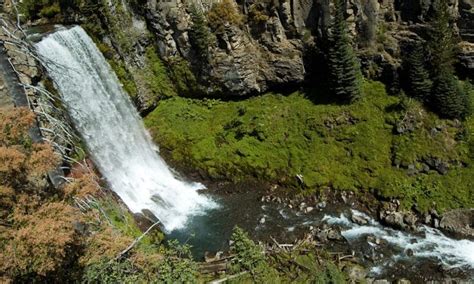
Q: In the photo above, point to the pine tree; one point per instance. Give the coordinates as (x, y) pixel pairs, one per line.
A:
(343, 66)
(442, 42)
(418, 76)
(447, 96)
(200, 35)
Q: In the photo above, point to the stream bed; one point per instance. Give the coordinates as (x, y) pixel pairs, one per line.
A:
(387, 253)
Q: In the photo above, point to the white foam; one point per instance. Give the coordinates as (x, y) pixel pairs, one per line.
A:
(434, 244)
(114, 133)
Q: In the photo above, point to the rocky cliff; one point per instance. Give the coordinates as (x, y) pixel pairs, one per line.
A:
(250, 47)
(268, 49)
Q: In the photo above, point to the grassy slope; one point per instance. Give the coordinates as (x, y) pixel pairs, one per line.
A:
(345, 147)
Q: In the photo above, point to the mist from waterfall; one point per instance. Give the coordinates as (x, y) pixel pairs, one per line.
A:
(114, 132)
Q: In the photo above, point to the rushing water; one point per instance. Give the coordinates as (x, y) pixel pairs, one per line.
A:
(113, 131)
(121, 148)
(388, 253)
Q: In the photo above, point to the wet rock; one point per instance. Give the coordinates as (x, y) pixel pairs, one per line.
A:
(360, 220)
(356, 273)
(309, 209)
(403, 281)
(460, 222)
(428, 219)
(334, 235)
(409, 252)
(322, 205)
(394, 219)
(410, 219)
(436, 223)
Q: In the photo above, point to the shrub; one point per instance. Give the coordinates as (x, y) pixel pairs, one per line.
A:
(222, 14)
(177, 265)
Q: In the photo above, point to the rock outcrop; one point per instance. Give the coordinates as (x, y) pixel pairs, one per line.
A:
(268, 50)
(272, 44)
(459, 222)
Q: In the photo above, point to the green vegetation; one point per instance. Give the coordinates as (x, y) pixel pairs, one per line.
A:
(447, 97)
(419, 83)
(33, 9)
(343, 66)
(344, 147)
(303, 265)
(199, 35)
(224, 13)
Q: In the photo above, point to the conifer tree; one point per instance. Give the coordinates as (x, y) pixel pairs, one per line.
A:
(343, 66)
(200, 35)
(447, 96)
(442, 42)
(419, 83)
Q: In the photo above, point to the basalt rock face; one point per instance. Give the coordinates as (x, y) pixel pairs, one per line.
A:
(271, 47)
(270, 51)
(244, 59)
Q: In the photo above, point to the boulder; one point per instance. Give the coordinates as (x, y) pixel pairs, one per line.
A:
(459, 222)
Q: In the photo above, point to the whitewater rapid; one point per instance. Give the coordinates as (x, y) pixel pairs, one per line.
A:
(428, 243)
(114, 132)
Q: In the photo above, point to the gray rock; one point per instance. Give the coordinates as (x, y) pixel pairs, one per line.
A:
(460, 222)
(395, 219)
(359, 220)
(356, 272)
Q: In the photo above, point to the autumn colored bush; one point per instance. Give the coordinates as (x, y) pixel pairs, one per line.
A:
(222, 14)
(42, 242)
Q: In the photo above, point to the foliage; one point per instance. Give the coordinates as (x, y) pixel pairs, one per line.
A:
(442, 42)
(344, 147)
(177, 265)
(183, 78)
(112, 271)
(419, 81)
(42, 242)
(449, 99)
(158, 80)
(248, 255)
(33, 9)
(125, 78)
(224, 13)
(344, 69)
(258, 14)
(447, 96)
(199, 35)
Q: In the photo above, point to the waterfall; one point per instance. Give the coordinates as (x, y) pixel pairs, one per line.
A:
(114, 132)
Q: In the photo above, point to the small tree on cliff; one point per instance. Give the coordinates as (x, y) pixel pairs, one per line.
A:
(344, 69)
(419, 83)
(447, 96)
(199, 34)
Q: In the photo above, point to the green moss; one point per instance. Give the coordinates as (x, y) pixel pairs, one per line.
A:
(156, 76)
(345, 147)
(125, 77)
(121, 219)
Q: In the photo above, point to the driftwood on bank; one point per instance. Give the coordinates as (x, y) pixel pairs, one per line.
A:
(136, 241)
(230, 277)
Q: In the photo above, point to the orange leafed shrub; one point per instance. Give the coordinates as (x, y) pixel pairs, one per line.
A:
(83, 186)
(106, 243)
(44, 241)
(42, 159)
(12, 160)
(14, 125)
(7, 201)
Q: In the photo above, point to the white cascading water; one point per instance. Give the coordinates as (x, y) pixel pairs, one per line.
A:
(434, 244)
(114, 132)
